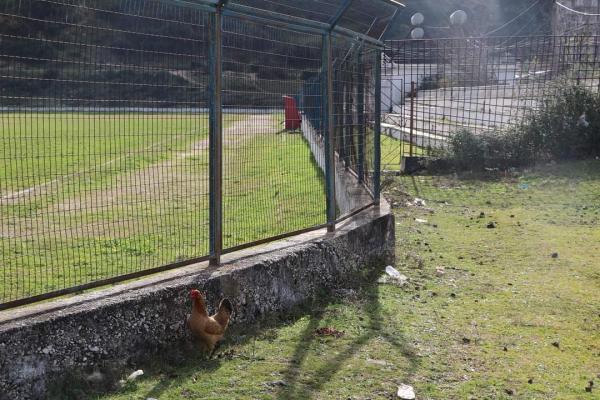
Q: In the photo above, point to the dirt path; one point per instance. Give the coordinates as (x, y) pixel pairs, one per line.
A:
(162, 184)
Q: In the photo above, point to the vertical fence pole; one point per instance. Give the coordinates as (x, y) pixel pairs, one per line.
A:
(377, 132)
(215, 139)
(412, 117)
(361, 116)
(327, 65)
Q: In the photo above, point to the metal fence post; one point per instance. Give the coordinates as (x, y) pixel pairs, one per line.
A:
(377, 132)
(412, 118)
(360, 109)
(215, 139)
(327, 65)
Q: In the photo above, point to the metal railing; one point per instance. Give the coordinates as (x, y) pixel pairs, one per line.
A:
(479, 84)
(142, 135)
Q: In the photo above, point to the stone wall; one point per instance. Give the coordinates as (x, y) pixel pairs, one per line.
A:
(118, 327)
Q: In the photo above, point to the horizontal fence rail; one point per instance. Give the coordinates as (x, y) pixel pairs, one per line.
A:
(483, 85)
(142, 135)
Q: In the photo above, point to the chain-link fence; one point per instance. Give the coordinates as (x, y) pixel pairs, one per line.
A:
(432, 88)
(142, 135)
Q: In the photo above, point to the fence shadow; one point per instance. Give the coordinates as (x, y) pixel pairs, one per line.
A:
(176, 368)
(373, 312)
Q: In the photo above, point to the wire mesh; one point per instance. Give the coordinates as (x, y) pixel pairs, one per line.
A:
(105, 125)
(353, 108)
(102, 137)
(271, 185)
(480, 84)
(361, 16)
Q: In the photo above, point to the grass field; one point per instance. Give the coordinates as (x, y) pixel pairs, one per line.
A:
(503, 319)
(392, 151)
(89, 196)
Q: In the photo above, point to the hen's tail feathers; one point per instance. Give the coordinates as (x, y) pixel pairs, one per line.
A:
(226, 305)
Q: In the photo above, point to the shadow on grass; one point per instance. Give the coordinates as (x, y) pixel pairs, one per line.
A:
(174, 370)
(371, 309)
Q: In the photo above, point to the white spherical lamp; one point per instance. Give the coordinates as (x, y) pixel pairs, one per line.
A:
(417, 19)
(417, 33)
(458, 17)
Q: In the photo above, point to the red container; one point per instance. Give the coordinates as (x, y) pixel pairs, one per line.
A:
(293, 120)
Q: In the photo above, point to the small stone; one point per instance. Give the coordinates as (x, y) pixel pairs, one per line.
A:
(491, 225)
(95, 377)
(420, 221)
(279, 383)
(419, 202)
(440, 271)
(134, 375)
(381, 363)
(393, 276)
(406, 392)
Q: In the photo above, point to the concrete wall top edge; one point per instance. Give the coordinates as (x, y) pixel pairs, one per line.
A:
(192, 276)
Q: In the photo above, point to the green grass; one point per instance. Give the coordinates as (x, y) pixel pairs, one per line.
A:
(278, 189)
(39, 147)
(392, 151)
(481, 330)
(135, 194)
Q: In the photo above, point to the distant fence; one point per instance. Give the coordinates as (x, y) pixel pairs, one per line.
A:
(479, 84)
(142, 135)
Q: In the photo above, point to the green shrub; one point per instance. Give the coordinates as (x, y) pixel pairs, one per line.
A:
(467, 150)
(565, 126)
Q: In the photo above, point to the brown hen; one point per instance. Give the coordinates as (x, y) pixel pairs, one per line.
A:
(208, 329)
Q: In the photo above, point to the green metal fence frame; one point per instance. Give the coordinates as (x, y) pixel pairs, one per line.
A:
(217, 10)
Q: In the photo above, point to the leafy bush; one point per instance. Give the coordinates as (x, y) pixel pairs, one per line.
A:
(467, 149)
(565, 126)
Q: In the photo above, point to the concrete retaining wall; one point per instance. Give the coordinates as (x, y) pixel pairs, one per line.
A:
(126, 324)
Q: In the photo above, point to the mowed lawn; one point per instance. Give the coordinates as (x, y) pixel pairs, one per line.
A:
(90, 196)
(392, 151)
(487, 313)
(38, 147)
